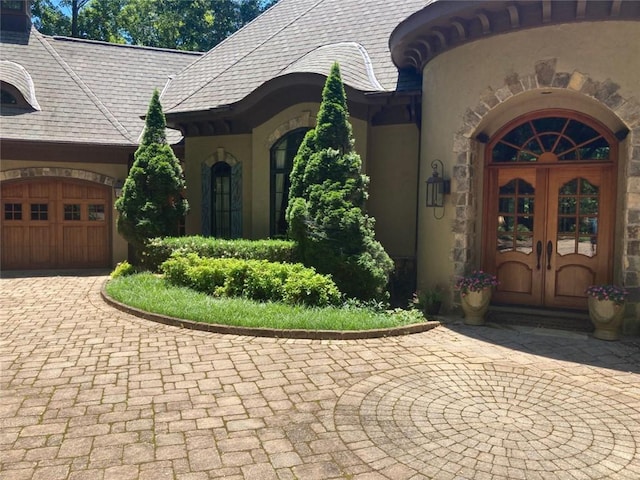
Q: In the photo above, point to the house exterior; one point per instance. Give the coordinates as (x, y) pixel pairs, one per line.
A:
(532, 108)
(70, 123)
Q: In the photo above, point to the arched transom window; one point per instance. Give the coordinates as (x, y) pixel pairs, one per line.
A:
(551, 139)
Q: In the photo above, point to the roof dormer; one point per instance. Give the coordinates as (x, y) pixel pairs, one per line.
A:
(17, 86)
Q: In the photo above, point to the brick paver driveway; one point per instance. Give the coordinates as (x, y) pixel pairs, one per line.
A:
(89, 392)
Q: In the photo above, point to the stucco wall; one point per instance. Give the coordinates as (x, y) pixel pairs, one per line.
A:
(114, 171)
(393, 171)
(199, 150)
(389, 155)
(589, 67)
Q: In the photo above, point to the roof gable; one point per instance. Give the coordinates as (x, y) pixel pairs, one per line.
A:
(88, 92)
(284, 39)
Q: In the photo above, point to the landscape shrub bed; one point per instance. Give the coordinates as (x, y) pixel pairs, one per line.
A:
(153, 293)
(158, 250)
(254, 279)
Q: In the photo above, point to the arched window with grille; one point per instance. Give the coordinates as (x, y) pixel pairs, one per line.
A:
(221, 200)
(282, 154)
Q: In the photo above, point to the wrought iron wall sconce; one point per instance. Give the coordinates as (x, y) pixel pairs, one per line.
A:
(437, 188)
(117, 187)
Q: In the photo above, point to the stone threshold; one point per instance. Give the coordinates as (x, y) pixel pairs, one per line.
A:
(568, 320)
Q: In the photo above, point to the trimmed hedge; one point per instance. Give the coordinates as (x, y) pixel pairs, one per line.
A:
(255, 279)
(158, 250)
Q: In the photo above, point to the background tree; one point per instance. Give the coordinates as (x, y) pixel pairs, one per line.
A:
(185, 25)
(151, 204)
(326, 202)
(49, 19)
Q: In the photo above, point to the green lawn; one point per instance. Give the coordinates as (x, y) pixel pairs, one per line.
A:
(152, 294)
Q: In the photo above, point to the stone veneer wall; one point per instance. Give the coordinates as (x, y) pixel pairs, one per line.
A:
(36, 172)
(465, 147)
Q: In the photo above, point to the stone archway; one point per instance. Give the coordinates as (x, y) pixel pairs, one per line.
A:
(305, 120)
(72, 173)
(546, 76)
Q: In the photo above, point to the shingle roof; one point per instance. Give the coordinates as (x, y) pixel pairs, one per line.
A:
(89, 92)
(295, 36)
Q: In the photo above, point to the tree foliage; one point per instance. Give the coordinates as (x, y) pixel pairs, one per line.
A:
(185, 25)
(326, 211)
(151, 204)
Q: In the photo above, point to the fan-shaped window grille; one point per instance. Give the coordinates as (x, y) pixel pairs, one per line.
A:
(567, 139)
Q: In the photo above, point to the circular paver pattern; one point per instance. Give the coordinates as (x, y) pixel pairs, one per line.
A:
(449, 421)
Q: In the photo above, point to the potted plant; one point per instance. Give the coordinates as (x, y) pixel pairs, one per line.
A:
(475, 295)
(606, 310)
(428, 301)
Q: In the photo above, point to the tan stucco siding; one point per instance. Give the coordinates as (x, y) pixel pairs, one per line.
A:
(115, 171)
(460, 80)
(393, 171)
(207, 150)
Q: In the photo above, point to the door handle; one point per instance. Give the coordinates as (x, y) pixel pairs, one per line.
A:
(539, 252)
(549, 252)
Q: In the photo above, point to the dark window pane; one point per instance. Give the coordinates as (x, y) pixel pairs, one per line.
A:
(570, 155)
(569, 188)
(525, 224)
(504, 153)
(525, 188)
(549, 124)
(579, 132)
(595, 150)
(567, 206)
(563, 146)
(506, 223)
(588, 188)
(566, 224)
(548, 142)
(534, 147)
(519, 135)
(509, 188)
(221, 199)
(6, 98)
(506, 205)
(72, 212)
(13, 4)
(589, 206)
(526, 157)
(13, 211)
(525, 205)
(96, 213)
(39, 211)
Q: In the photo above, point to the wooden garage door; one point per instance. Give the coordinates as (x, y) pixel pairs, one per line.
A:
(55, 223)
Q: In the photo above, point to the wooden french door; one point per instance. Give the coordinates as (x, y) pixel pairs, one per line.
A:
(549, 217)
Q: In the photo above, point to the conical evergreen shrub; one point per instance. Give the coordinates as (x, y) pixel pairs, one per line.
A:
(327, 197)
(151, 204)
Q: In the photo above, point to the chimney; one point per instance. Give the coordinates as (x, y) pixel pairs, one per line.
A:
(15, 15)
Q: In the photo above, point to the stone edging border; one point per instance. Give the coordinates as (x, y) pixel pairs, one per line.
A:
(269, 332)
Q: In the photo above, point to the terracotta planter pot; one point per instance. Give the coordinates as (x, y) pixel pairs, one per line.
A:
(475, 306)
(607, 317)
